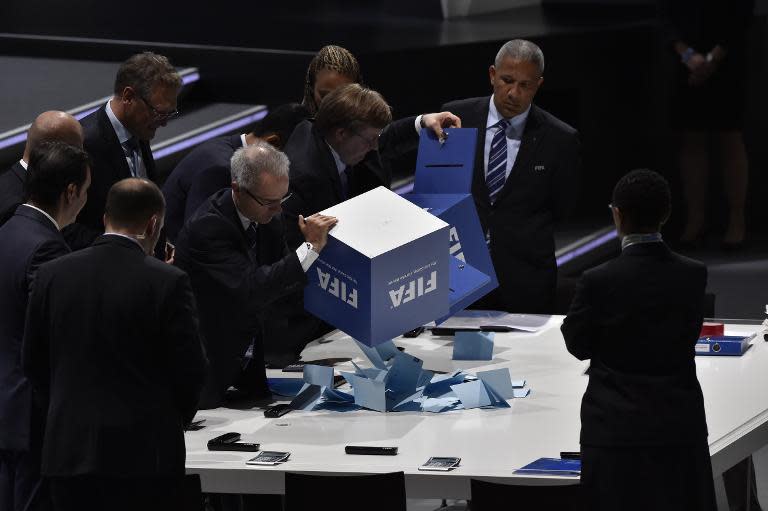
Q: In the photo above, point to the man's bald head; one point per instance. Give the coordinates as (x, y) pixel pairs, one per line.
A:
(53, 126)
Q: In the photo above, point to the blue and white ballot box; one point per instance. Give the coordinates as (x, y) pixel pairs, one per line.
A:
(384, 270)
(443, 187)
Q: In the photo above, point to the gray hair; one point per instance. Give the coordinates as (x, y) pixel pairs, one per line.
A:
(249, 163)
(520, 49)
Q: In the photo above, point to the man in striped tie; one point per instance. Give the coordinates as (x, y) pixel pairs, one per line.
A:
(525, 178)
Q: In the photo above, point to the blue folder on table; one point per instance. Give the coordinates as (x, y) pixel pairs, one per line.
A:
(552, 467)
(723, 345)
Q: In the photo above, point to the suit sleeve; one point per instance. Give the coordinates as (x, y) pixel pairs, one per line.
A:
(45, 252)
(299, 203)
(185, 353)
(34, 351)
(398, 145)
(693, 328)
(578, 325)
(566, 182)
(223, 261)
(208, 182)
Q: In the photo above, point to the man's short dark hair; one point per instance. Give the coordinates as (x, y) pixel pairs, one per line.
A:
(644, 199)
(53, 166)
(352, 106)
(132, 202)
(145, 70)
(281, 121)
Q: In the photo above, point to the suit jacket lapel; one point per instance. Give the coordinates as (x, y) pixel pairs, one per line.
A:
(114, 150)
(18, 171)
(478, 116)
(226, 205)
(532, 135)
(149, 161)
(329, 164)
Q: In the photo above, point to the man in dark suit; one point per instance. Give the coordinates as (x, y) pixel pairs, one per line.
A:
(48, 126)
(117, 135)
(348, 150)
(111, 335)
(234, 250)
(637, 318)
(524, 180)
(57, 181)
(205, 170)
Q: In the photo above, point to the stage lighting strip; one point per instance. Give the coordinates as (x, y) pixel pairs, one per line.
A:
(221, 127)
(19, 135)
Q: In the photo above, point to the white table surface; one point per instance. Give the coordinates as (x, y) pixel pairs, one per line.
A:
(492, 443)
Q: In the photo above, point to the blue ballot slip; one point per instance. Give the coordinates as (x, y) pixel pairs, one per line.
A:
(473, 346)
(473, 394)
(387, 350)
(384, 270)
(287, 387)
(370, 394)
(499, 380)
(553, 467)
(318, 375)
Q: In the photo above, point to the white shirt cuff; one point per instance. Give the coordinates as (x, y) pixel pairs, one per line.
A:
(306, 255)
(417, 123)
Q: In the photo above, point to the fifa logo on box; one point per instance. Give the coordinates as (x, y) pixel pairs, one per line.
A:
(455, 249)
(413, 289)
(337, 288)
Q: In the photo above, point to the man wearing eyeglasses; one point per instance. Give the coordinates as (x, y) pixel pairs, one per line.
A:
(234, 250)
(117, 135)
(348, 149)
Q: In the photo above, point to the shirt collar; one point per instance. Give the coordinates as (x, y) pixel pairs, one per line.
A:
(635, 239)
(23, 164)
(243, 219)
(49, 217)
(516, 123)
(124, 236)
(340, 165)
(121, 131)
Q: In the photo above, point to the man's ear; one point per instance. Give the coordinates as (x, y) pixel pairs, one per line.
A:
(618, 218)
(153, 225)
(492, 73)
(128, 94)
(71, 193)
(274, 139)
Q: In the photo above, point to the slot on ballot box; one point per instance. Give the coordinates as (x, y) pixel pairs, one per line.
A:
(384, 270)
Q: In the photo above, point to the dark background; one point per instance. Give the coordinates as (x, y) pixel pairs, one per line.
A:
(607, 70)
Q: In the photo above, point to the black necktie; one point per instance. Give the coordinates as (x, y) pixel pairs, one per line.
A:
(344, 176)
(252, 236)
(132, 147)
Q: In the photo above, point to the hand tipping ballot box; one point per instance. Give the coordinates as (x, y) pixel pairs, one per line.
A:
(384, 270)
(442, 187)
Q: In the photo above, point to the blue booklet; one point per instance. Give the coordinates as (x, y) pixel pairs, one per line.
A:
(553, 467)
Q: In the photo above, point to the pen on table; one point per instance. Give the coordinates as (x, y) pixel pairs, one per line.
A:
(570, 455)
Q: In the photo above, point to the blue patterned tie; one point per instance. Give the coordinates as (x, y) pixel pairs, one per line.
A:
(497, 161)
